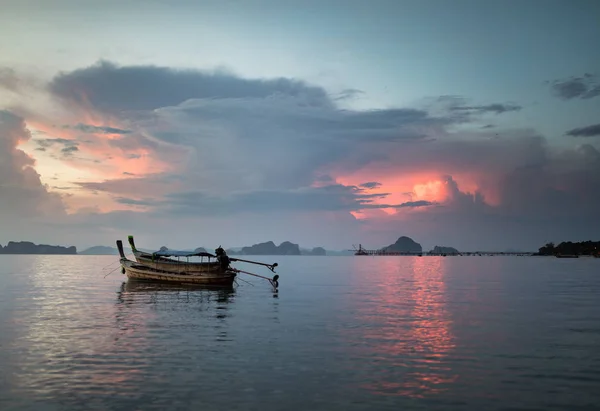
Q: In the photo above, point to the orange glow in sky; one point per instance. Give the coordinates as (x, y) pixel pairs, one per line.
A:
(96, 156)
(405, 187)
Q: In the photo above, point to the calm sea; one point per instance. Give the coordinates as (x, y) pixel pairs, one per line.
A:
(343, 333)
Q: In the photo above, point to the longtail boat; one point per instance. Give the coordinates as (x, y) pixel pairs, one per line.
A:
(160, 260)
(138, 271)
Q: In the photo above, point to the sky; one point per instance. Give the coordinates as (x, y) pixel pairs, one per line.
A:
(326, 123)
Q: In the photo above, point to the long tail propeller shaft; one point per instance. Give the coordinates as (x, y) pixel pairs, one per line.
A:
(269, 266)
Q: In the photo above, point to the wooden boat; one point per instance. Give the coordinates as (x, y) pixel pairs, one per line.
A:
(138, 271)
(160, 260)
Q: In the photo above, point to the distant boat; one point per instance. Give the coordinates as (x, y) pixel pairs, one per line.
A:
(361, 251)
(566, 256)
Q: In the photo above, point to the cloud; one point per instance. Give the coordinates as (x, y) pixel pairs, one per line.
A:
(420, 203)
(9, 79)
(307, 199)
(278, 137)
(210, 149)
(87, 128)
(371, 184)
(49, 142)
(589, 131)
(496, 108)
(69, 150)
(458, 110)
(348, 94)
(584, 87)
(21, 192)
(519, 177)
(111, 88)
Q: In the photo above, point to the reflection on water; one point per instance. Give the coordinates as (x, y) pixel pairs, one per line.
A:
(141, 292)
(77, 343)
(345, 334)
(410, 334)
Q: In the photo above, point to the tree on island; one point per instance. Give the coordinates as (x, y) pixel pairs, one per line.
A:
(548, 249)
(570, 248)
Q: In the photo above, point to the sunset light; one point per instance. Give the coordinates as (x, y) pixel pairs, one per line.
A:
(336, 205)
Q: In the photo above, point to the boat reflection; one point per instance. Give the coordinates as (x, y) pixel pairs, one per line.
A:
(410, 336)
(134, 292)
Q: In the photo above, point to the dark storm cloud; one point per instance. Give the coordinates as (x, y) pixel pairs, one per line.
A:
(87, 128)
(584, 87)
(589, 131)
(111, 88)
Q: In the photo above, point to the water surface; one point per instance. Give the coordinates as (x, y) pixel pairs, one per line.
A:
(342, 333)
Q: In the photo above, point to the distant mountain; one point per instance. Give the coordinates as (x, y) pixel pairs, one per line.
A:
(444, 250)
(404, 245)
(314, 251)
(100, 250)
(269, 248)
(26, 247)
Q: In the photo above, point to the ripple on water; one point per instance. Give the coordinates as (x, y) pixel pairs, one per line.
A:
(343, 334)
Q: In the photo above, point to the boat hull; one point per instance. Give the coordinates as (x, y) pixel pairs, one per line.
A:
(145, 273)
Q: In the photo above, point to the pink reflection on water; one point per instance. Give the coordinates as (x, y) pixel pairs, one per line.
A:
(409, 335)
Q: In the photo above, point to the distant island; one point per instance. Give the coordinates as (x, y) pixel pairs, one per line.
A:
(100, 250)
(26, 247)
(408, 245)
(403, 245)
(570, 248)
(269, 248)
(266, 248)
(444, 250)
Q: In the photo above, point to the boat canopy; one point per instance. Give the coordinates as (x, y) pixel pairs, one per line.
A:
(177, 253)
